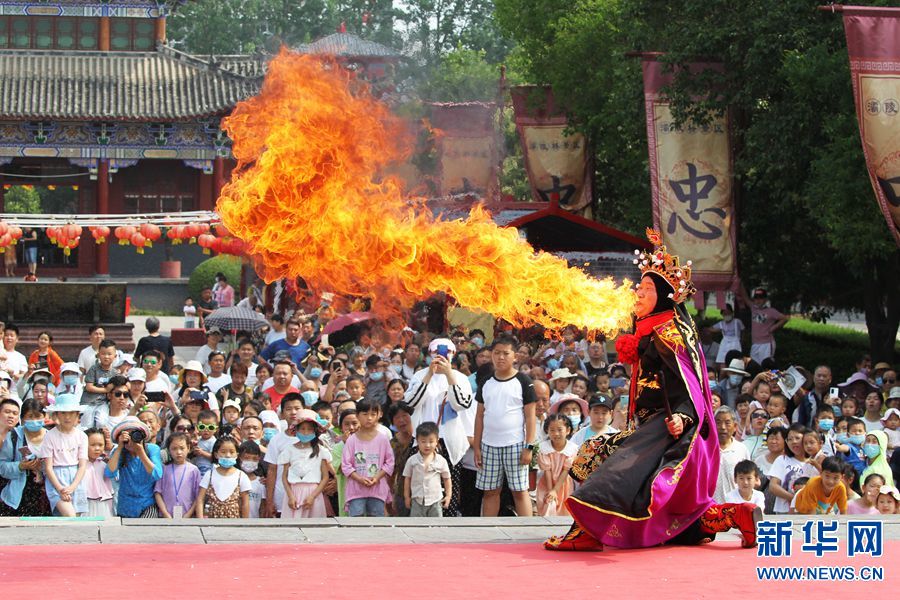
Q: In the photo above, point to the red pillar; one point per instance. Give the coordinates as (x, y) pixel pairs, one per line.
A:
(204, 191)
(101, 261)
(218, 178)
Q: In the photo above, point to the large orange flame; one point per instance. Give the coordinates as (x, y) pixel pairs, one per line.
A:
(308, 200)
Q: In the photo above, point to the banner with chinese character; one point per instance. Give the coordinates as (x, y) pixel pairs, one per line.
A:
(873, 42)
(467, 142)
(691, 183)
(559, 166)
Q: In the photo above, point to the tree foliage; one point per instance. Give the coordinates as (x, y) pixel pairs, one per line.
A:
(809, 227)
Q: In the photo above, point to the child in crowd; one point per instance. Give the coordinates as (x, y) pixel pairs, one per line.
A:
(367, 460)
(231, 413)
(70, 380)
(888, 501)
(875, 450)
(224, 490)
(601, 383)
(423, 473)
(746, 479)
(600, 411)
(305, 470)
(891, 422)
(555, 457)
(824, 494)
(250, 456)
(190, 313)
(201, 453)
(731, 329)
(176, 492)
(866, 503)
(96, 383)
(849, 477)
(790, 467)
(356, 387)
(561, 383)
(776, 407)
(850, 445)
(812, 445)
(824, 424)
(98, 487)
(291, 405)
(65, 455)
(349, 424)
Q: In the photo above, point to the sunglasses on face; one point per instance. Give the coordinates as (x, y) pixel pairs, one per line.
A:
(120, 394)
(205, 427)
(760, 415)
(184, 428)
(150, 361)
(890, 381)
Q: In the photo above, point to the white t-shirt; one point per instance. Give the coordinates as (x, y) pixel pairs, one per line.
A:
(160, 384)
(257, 495)
(504, 415)
(16, 363)
(203, 356)
(86, 358)
(728, 459)
(757, 498)
(224, 484)
(273, 336)
(273, 451)
(214, 384)
(304, 467)
(787, 470)
(872, 425)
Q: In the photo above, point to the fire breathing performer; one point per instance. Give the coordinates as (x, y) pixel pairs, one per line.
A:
(653, 483)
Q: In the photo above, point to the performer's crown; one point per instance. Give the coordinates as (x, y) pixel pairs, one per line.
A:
(666, 266)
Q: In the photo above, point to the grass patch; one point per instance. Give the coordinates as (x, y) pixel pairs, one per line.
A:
(146, 312)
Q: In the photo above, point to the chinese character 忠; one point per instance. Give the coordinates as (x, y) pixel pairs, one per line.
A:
(691, 191)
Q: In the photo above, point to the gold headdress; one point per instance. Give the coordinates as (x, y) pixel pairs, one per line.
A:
(666, 266)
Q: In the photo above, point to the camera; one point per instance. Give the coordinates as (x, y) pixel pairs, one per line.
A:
(226, 429)
(137, 436)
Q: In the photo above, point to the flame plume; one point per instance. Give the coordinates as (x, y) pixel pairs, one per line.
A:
(308, 200)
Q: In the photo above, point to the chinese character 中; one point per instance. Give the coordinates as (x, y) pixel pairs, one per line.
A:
(773, 538)
(865, 537)
(820, 537)
(561, 193)
(691, 191)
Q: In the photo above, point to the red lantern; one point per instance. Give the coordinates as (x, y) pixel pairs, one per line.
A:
(151, 232)
(236, 247)
(124, 233)
(222, 231)
(138, 241)
(70, 243)
(53, 234)
(3, 228)
(216, 245)
(5, 240)
(72, 231)
(15, 232)
(192, 231)
(205, 241)
(100, 233)
(204, 228)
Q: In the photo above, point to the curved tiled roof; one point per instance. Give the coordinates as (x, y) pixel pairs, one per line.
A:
(162, 85)
(347, 45)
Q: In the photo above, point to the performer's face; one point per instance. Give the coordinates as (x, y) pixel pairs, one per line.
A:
(646, 298)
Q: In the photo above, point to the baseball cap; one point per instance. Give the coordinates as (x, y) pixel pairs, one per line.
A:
(601, 400)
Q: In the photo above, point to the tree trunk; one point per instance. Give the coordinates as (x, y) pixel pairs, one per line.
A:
(882, 301)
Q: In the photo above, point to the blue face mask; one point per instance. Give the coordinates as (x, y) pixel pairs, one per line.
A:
(575, 420)
(310, 397)
(879, 381)
(734, 380)
(871, 450)
(713, 384)
(315, 373)
(857, 440)
(306, 437)
(553, 364)
(173, 378)
(478, 341)
(33, 425)
(841, 438)
(376, 376)
(70, 379)
(826, 424)
(269, 433)
(227, 463)
(836, 410)
(397, 369)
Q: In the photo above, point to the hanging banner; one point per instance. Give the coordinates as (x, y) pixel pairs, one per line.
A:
(873, 43)
(691, 183)
(467, 148)
(559, 166)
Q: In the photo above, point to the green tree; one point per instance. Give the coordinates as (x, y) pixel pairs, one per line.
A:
(808, 225)
(462, 75)
(21, 200)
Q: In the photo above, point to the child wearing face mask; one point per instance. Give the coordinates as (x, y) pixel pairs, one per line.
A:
(731, 330)
(573, 408)
(306, 470)
(224, 490)
(70, 380)
(850, 444)
(250, 456)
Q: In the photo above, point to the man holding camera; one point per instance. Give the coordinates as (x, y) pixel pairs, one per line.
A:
(442, 395)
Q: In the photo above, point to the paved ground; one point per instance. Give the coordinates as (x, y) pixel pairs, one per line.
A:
(341, 530)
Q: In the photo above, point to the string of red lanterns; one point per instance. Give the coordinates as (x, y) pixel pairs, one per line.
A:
(140, 236)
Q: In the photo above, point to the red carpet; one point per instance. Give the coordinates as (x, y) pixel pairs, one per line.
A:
(498, 571)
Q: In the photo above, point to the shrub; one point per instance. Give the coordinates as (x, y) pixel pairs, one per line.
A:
(205, 273)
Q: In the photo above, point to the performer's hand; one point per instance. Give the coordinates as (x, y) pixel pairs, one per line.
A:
(675, 425)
